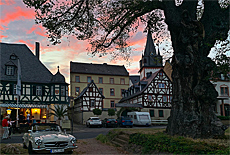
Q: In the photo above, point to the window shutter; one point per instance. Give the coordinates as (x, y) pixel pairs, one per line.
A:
(43, 90)
(21, 89)
(11, 89)
(34, 90)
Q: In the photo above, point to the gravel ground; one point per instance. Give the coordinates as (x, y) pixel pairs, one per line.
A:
(93, 146)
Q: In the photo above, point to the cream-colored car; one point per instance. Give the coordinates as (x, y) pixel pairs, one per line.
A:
(48, 138)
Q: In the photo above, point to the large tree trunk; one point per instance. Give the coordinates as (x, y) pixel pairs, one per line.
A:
(194, 97)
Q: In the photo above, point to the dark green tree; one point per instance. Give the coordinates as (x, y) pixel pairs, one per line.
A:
(111, 112)
(108, 24)
(97, 111)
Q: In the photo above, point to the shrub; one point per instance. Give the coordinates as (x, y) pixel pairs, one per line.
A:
(224, 117)
(97, 111)
(111, 112)
(161, 142)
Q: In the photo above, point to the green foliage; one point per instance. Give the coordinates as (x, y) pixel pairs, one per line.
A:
(59, 112)
(111, 112)
(161, 142)
(97, 111)
(102, 138)
(224, 117)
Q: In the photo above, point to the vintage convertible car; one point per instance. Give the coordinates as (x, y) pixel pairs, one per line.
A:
(48, 138)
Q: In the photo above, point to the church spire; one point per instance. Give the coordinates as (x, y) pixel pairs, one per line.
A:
(149, 47)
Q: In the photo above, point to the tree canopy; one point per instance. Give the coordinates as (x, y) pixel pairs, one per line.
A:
(108, 24)
(194, 26)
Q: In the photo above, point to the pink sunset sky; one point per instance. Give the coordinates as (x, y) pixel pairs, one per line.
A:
(17, 25)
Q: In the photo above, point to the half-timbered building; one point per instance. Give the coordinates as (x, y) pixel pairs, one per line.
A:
(89, 99)
(40, 89)
(110, 80)
(155, 95)
(153, 91)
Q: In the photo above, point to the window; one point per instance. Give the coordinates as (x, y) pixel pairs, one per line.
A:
(112, 104)
(101, 90)
(151, 113)
(164, 98)
(77, 78)
(100, 80)
(111, 91)
(38, 90)
(224, 91)
(150, 97)
(135, 117)
(122, 81)
(161, 75)
(9, 70)
(77, 92)
(111, 80)
(161, 113)
(170, 97)
(90, 89)
(62, 90)
(161, 85)
(89, 79)
(92, 103)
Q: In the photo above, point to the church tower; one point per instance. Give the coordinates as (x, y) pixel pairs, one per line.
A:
(151, 61)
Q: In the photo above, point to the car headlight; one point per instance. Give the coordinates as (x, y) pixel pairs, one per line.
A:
(38, 141)
(73, 140)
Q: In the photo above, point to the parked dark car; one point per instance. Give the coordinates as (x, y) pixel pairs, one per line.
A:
(125, 122)
(110, 122)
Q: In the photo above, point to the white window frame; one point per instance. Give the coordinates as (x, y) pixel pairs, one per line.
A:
(39, 90)
(9, 70)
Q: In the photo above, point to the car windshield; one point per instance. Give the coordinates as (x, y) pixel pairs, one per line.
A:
(126, 118)
(94, 118)
(37, 128)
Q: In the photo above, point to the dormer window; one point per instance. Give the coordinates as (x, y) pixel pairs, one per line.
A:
(10, 70)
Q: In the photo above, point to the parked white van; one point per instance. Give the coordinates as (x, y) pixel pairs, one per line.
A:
(140, 118)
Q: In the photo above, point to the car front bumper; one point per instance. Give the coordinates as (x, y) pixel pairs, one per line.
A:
(48, 150)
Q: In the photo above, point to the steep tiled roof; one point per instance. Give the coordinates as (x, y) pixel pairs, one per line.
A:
(32, 69)
(58, 78)
(104, 69)
(134, 78)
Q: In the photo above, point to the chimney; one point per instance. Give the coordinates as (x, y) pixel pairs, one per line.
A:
(37, 49)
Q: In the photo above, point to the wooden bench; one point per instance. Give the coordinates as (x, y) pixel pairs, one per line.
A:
(159, 122)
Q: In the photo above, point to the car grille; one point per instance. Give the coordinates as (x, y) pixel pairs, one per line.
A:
(56, 144)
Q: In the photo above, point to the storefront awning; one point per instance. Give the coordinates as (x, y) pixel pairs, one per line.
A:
(12, 105)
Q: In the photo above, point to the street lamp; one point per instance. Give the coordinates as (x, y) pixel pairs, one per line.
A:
(8, 111)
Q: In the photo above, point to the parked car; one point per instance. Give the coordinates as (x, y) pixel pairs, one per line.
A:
(94, 121)
(125, 122)
(48, 138)
(109, 122)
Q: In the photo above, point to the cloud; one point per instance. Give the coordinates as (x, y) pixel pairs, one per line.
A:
(18, 13)
(7, 2)
(2, 36)
(37, 29)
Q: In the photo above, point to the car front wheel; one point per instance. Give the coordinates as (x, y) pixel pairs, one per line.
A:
(30, 149)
